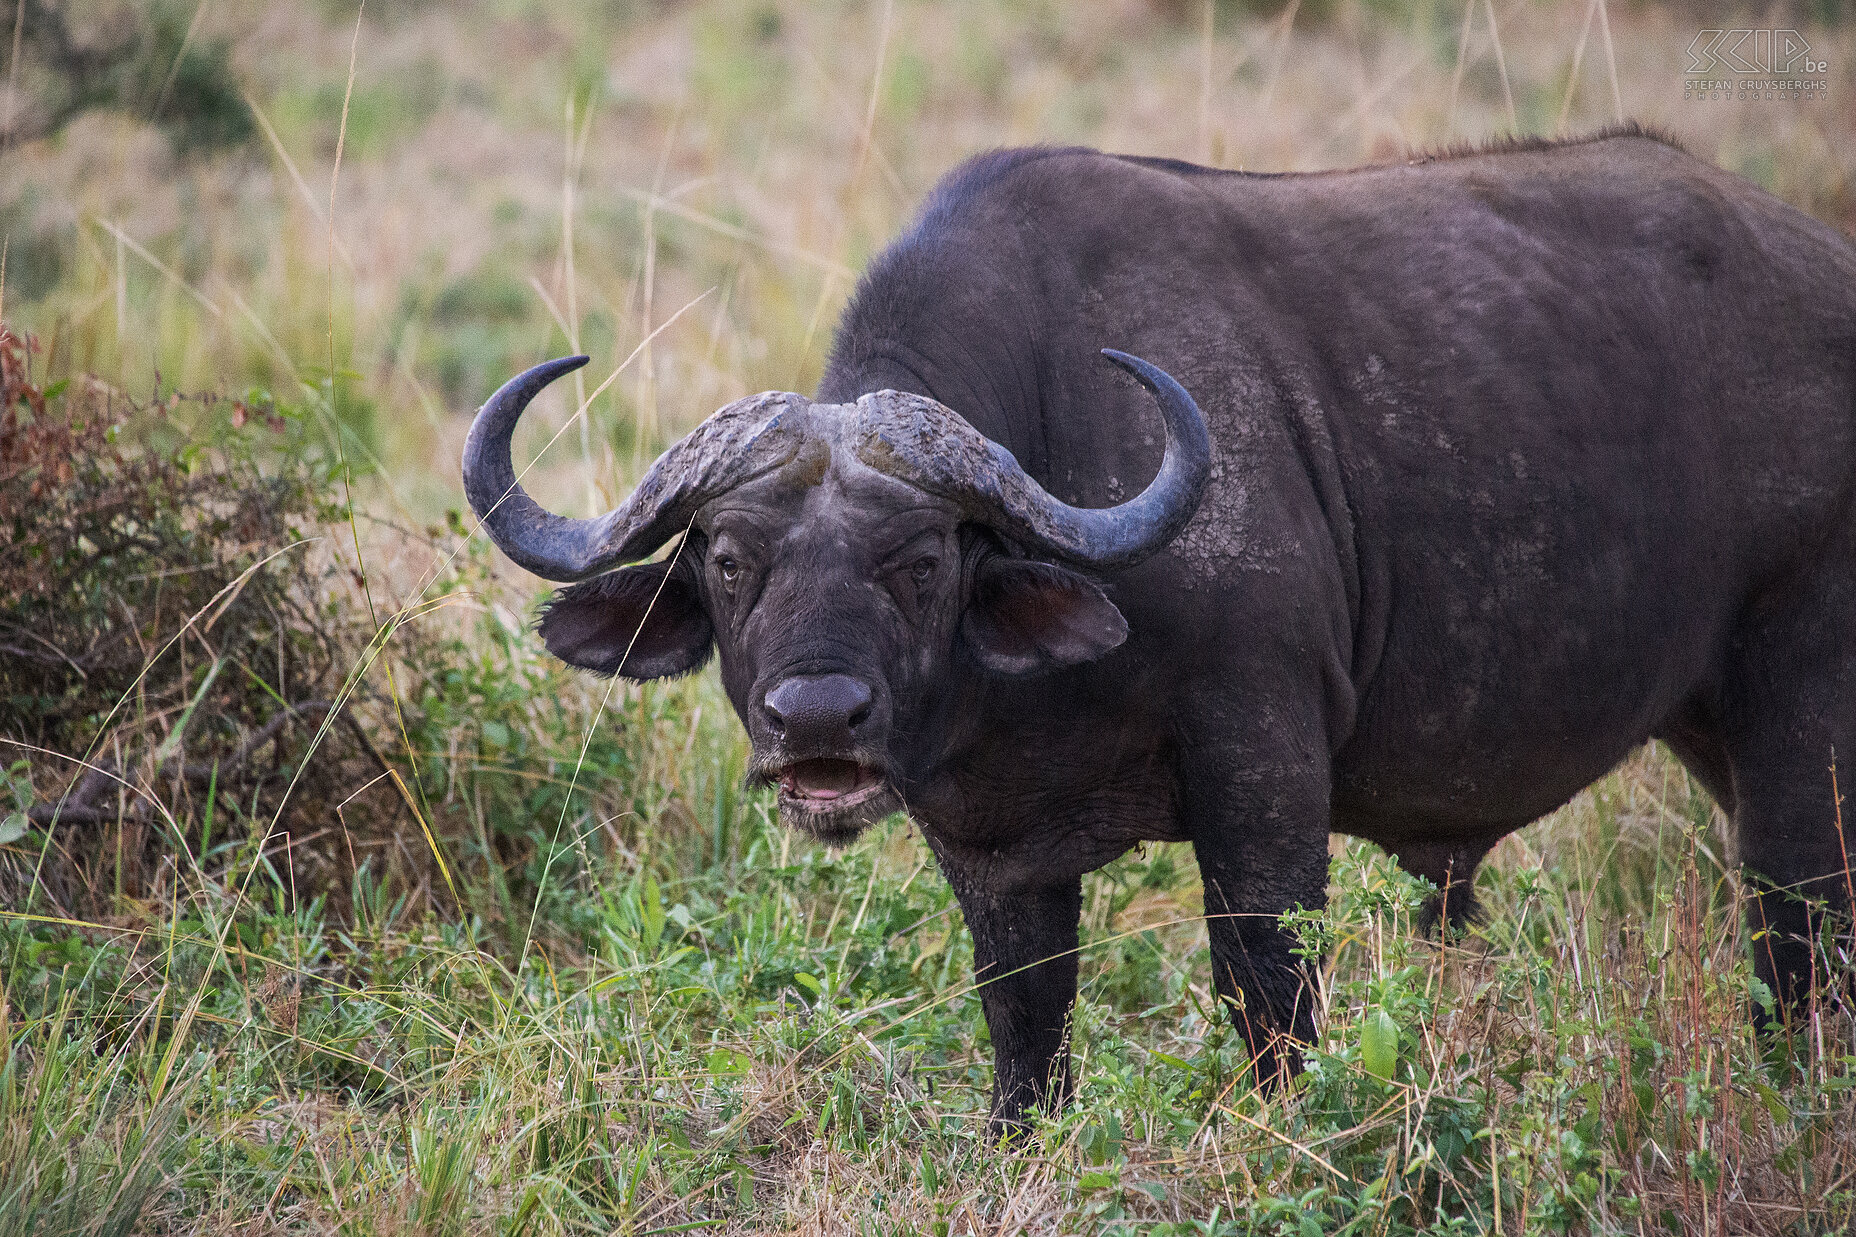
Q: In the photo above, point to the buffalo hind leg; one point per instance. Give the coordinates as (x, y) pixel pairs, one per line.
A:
(1024, 960)
(1787, 843)
(1262, 847)
(1789, 710)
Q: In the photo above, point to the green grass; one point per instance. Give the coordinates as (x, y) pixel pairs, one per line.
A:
(488, 948)
(736, 1030)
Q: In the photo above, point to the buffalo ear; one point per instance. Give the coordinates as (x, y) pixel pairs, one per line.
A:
(644, 622)
(1025, 617)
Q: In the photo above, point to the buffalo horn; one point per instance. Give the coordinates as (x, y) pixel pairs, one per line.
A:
(929, 445)
(910, 437)
(737, 444)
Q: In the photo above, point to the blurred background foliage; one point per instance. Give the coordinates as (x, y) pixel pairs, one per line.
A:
(170, 165)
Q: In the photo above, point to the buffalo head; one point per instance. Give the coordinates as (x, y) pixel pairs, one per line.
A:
(851, 562)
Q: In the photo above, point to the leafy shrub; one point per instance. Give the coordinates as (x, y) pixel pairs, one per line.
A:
(196, 678)
(177, 635)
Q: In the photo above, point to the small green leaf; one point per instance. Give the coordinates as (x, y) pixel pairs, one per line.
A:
(1773, 1102)
(13, 828)
(728, 1061)
(651, 910)
(1379, 1043)
(809, 983)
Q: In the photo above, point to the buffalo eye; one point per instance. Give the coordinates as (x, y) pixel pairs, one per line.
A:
(728, 569)
(923, 569)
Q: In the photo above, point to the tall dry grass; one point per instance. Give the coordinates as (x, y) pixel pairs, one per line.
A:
(750, 154)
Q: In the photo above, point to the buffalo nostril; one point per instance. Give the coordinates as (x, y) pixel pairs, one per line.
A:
(818, 710)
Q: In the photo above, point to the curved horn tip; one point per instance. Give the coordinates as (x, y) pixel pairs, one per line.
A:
(541, 375)
(553, 547)
(1149, 374)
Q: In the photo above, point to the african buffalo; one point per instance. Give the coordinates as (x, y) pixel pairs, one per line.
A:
(1517, 457)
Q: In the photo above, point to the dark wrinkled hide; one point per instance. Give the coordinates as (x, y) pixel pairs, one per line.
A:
(1520, 458)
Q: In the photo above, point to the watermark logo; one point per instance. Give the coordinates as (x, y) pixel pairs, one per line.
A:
(1752, 51)
(1754, 65)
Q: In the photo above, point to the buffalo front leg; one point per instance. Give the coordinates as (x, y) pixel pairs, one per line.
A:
(1262, 848)
(1024, 955)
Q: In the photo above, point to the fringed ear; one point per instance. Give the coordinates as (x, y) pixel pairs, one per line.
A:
(1026, 617)
(644, 622)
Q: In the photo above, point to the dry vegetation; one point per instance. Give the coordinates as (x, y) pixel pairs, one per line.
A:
(328, 904)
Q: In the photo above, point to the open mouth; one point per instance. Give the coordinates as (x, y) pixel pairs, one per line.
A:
(826, 784)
